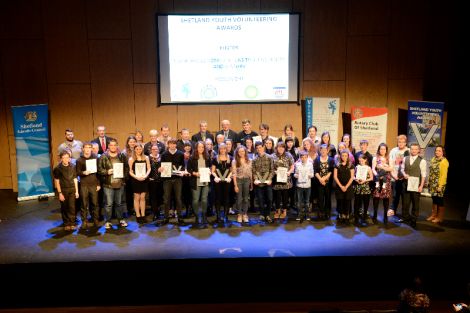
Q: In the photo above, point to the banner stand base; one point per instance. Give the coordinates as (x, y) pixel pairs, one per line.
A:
(38, 197)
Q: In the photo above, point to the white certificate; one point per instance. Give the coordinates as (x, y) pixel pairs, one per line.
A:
(361, 172)
(204, 175)
(118, 170)
(413, 183)
(281, 174)
(91, 165)
(140, 169)
(166, 169)
(303, 175)
(257, 138)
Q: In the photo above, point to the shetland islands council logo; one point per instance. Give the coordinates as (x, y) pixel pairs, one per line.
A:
(31, 116)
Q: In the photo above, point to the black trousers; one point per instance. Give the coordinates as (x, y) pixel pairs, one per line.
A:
(172, 186)
(376, 202)
(413, 198)
(155, 195)
(397, 187)
(89, 197)
(361, 201)
(67, 207)
(282, 199)
(324, 199)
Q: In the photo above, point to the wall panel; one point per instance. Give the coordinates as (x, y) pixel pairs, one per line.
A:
(369, 17)
(108, 19)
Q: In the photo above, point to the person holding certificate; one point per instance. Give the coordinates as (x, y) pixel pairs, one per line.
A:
(263, 172)
(283, 167)
(199, 167)
(323, 167)
(155, 183)
(171, 171)
(242, 181)
(362, 190)
(65, 180)
(113, 168)
(344, 176)
(303, 174)
(139, 165)
(413, 169)
(87, 166)
(383, 186)
(222, 182)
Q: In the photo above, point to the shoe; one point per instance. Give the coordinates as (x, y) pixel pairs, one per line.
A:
(261, 218)
(298, 218)
(245, 218)
(67, 228)
(231, 211)
(123, 223)
(307, 218)
(239, 218)
(108, 225)
(181, 222)
(283, 214)
(268, 219)
(277, 214)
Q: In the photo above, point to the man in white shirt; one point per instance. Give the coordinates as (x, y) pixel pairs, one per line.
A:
(413, 169)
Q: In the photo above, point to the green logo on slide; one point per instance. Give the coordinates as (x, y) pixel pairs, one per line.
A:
(251, 92)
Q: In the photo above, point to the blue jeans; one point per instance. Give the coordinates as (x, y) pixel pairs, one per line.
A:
(243, 195)
(303, 196)
(265, 199)
(113, 197)
(200, 192)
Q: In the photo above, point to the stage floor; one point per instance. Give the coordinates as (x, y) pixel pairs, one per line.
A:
(30, 232)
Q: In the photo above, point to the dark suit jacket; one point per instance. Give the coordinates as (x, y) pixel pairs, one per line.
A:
(197, 137)
(193, 167)
(180, 145)
(231, 135)
(97, 140)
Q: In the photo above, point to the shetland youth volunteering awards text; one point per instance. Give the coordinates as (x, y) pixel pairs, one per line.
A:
(229, 19)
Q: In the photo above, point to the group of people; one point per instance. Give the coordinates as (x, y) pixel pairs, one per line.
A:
(231, 169)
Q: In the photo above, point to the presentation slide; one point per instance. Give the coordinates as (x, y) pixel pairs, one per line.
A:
(228, 58)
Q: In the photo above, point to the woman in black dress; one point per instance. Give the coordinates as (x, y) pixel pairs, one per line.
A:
(139, 174)
(220, 169)
(344, 176)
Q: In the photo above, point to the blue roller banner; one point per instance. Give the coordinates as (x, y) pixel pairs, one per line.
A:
(30, 124)
(425, 127)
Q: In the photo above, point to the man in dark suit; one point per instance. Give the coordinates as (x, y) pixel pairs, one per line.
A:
(203, 134)
(102, 140)
(226, 131)
(185, 139)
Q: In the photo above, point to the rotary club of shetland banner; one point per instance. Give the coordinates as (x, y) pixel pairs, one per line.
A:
(370, 124)
(30, 125)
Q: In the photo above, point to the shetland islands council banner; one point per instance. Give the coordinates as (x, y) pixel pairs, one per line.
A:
(324, 114)
(30, 124)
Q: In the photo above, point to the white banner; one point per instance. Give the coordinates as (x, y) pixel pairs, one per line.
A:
(323, 113)
(369, 124)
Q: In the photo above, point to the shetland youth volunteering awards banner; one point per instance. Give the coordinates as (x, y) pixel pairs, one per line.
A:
(425, 125)
(370, 124)
(323, 113)
(30, 124)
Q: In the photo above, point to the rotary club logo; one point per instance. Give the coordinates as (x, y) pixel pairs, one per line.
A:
(357, 113)
(31, 116)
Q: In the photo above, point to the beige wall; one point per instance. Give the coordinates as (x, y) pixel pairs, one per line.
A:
(94, 62)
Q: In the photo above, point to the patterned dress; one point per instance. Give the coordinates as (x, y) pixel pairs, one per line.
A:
(384, 190)
(362, 189)
(434, 175)
(286, 160)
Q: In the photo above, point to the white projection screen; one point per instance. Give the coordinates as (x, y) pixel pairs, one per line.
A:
(242, 58)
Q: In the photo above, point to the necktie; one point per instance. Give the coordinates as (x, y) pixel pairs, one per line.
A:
(203, 135)
(103, 145)
(226, 135)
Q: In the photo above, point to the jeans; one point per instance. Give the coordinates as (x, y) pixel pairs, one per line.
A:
(303, 196)
(200, 192)
(113, 196)
(397, 187)
(243, 195)
(265, 199)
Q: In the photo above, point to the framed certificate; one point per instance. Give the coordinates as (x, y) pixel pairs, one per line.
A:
(361, 172)
(166, 169)
(413, 184)
(281, 175)
(91, 166)
(118, 170)
(140, 169)
(205, 175)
